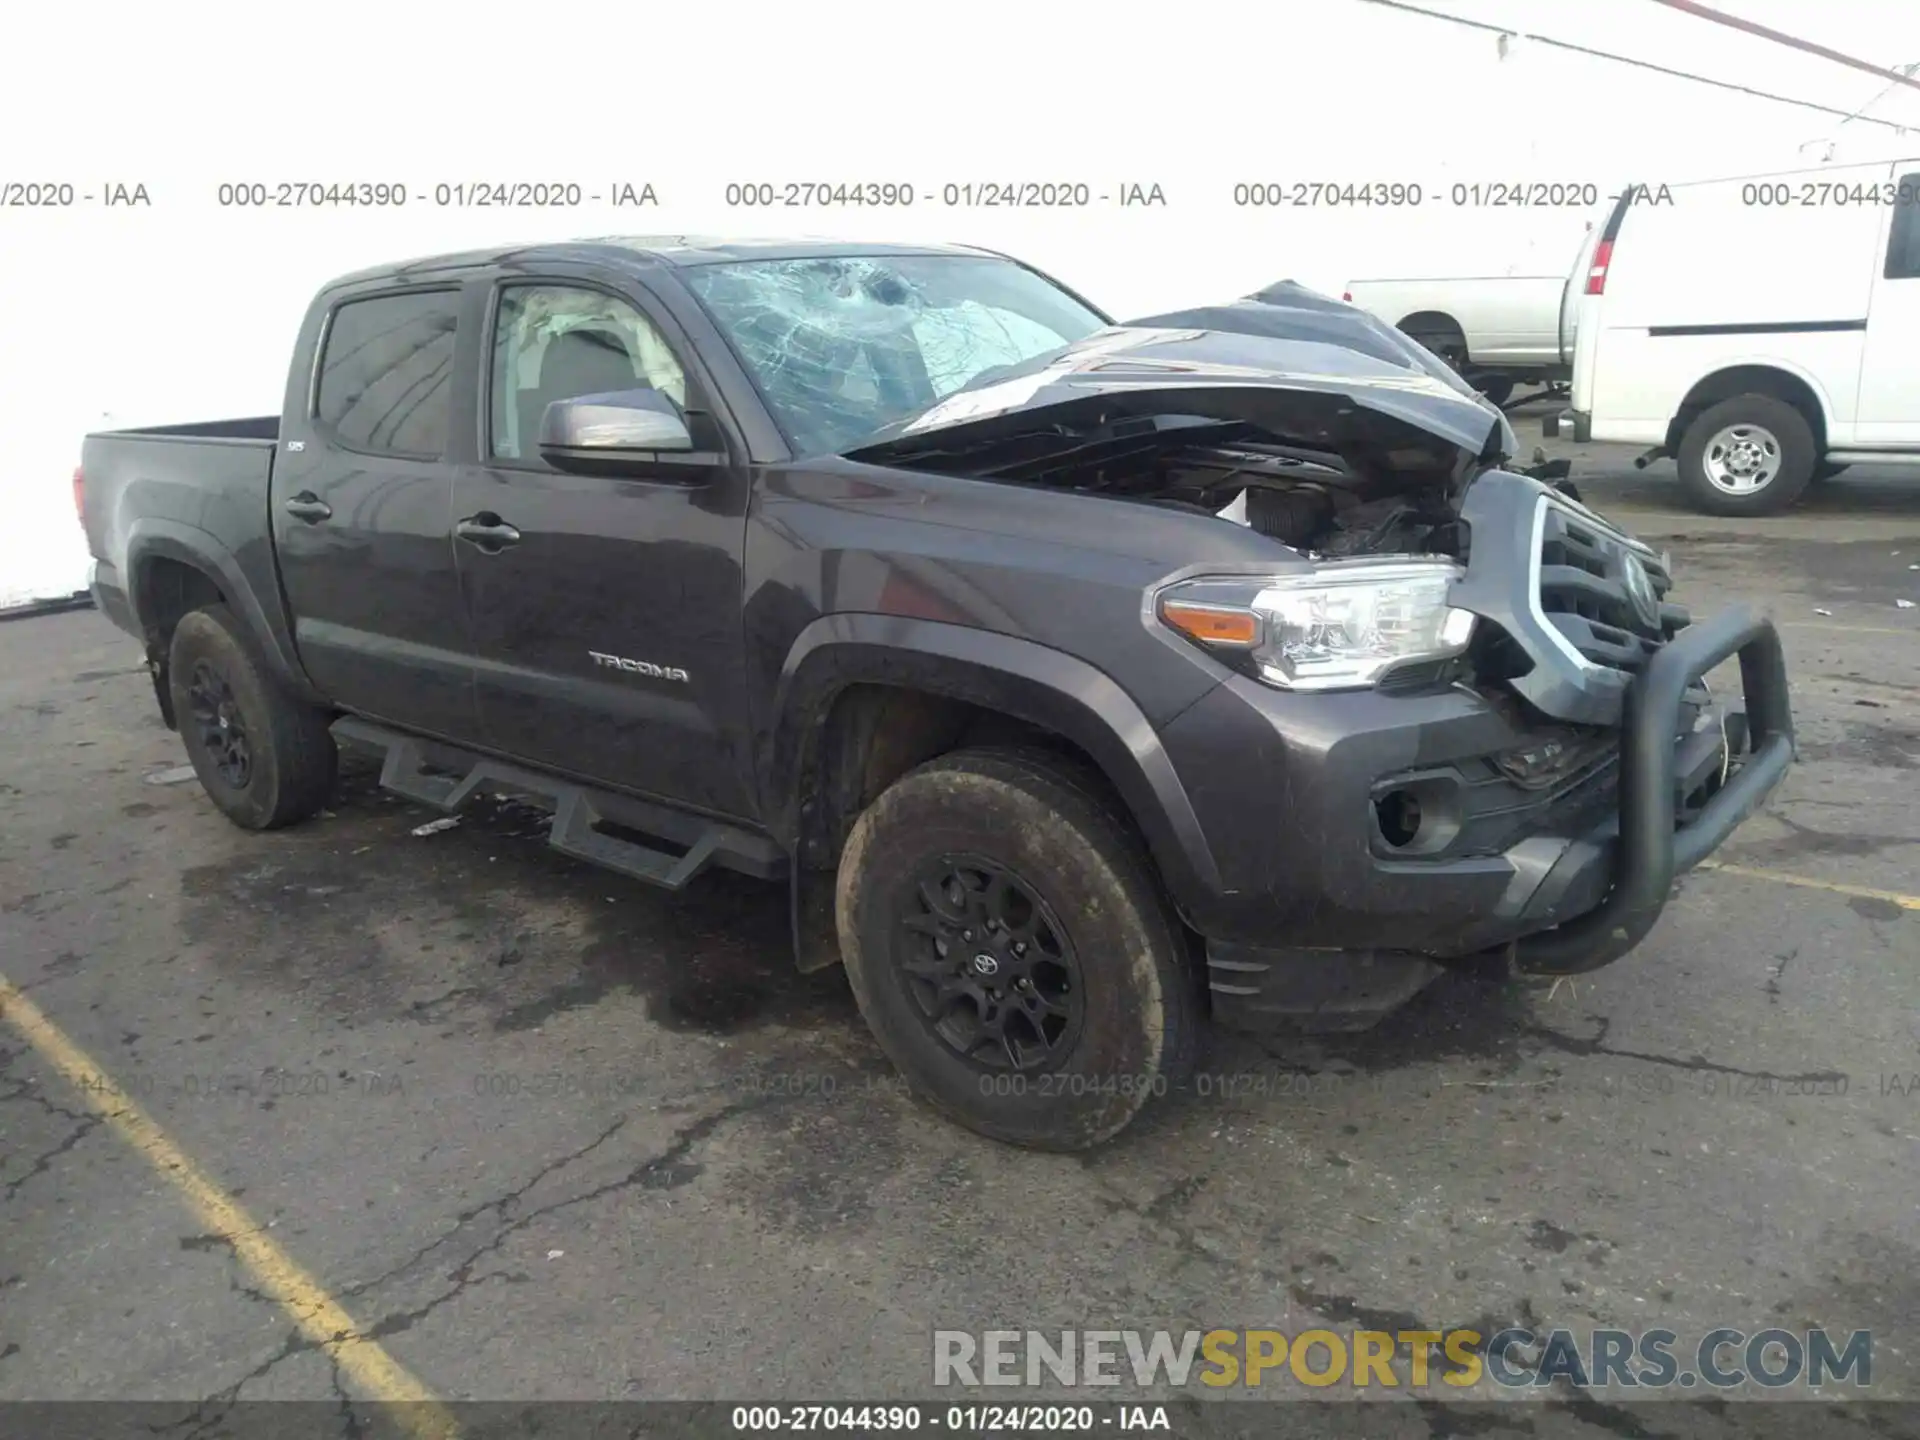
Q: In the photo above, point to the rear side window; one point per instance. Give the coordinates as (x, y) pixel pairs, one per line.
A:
(1903, 243)
(386, 373)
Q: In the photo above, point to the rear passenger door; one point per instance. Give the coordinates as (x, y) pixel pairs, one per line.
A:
(359, 509)
(1889, 408)
(606, 612)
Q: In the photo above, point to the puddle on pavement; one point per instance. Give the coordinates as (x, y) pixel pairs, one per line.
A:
(481, 926)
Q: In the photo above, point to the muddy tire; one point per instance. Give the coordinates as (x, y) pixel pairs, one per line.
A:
(1750, 455)
(264, 758)
(1012, 951)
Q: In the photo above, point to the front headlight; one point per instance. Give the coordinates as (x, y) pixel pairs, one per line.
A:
(1341, 626)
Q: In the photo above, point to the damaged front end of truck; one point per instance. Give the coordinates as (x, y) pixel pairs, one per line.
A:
(1617, 767)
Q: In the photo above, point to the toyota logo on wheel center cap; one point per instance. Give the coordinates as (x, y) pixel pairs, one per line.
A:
(985, 964)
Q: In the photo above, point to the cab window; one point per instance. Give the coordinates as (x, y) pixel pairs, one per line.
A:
(386, 372)
(557, 342)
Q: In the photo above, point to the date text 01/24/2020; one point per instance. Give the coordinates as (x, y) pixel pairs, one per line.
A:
(954, 1419)
(552, 194)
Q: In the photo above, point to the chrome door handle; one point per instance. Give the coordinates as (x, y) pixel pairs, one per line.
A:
(487, 532)
(309, 507)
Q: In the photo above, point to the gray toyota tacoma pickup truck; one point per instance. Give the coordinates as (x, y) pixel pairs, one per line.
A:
(1083, 681)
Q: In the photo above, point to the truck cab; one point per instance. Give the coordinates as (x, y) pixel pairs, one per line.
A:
(440, 576)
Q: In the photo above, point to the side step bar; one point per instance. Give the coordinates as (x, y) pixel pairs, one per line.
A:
(444, 777)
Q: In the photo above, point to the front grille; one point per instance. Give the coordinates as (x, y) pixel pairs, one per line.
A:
(1589, 593)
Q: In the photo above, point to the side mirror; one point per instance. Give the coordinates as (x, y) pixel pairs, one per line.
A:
(616, 433)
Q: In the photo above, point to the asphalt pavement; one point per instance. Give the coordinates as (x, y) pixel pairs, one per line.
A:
(546, 1134)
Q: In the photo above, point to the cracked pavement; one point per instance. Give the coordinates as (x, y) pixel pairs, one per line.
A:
(549, 1134)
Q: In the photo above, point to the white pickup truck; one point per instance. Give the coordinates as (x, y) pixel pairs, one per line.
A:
(1499, 331)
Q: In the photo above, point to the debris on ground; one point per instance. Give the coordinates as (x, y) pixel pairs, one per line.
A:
(1904, 604)
(176, 775)
(434, 827)
(1818, 611)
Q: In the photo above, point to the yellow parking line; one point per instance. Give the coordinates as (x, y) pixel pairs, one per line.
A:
(1781, 877)
(317, 1313)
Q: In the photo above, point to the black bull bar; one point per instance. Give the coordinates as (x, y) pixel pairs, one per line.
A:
(1650, 851)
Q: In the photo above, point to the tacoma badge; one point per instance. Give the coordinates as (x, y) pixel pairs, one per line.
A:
(639, 667)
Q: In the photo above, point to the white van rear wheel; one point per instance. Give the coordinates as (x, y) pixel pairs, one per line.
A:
(1751, 455)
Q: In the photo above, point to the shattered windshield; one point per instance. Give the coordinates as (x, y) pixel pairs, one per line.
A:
(841, 346)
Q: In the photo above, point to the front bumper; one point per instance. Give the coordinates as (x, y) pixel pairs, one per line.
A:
(1552, 878)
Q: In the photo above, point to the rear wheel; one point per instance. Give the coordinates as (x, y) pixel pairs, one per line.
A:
(1012, 952)
(1448, 345)
(1750, 455)
(265, 758)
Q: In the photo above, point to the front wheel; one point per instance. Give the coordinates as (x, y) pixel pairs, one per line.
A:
(1750, 455)
(1011, 951)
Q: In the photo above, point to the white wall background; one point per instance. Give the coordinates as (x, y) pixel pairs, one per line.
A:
(186, 310)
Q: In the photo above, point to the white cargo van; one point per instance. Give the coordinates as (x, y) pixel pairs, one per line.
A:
(1764, 331)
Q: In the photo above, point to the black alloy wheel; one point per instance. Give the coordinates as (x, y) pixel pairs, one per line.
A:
(223, 731)
(989, 966)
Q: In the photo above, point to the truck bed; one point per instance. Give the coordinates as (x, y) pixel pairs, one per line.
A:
(199, 489)
(1510, 321)
(252, 428)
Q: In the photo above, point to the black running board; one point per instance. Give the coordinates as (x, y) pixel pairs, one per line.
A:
(444, 777)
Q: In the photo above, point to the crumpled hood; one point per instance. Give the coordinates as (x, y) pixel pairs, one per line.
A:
(1288, 310)
(1306, 383)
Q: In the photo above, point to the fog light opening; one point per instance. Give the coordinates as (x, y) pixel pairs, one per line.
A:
(1398, 814)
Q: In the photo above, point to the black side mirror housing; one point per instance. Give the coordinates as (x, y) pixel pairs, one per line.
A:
(622, 432)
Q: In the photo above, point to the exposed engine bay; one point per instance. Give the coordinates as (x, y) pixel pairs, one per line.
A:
(1320, 506)
(1368, 501)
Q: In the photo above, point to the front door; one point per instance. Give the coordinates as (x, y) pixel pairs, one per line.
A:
(606, 613)
(1889, 409)
(361, 488)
